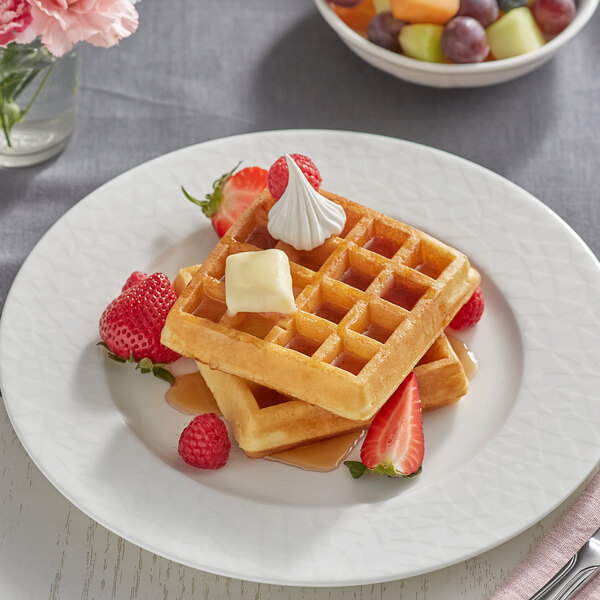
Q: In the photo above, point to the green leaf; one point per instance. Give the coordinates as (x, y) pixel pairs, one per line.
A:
(19, 66)
(18, 57)
(164, 374)
(213, 199)
(145, 365)
(356, 468)
(10, 113)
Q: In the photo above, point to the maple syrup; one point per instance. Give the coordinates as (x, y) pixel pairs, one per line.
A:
(302, 344)
(428, 269)
(322, 456)
(356, 278)
(466, 356)
(255, 325)
(382, 246)
(377, 332)
(311, 261)
(190, 395)
(349, 362)
(261, 238)
(331, 312)
(401, 296)
(266, 397)
(210, 309)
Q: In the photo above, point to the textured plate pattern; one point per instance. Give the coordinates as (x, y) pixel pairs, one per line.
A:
(526, 435)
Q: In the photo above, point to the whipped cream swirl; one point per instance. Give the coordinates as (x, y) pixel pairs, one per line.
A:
(302, 217)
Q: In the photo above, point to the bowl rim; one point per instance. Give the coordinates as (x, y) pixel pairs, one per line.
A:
(585, 10)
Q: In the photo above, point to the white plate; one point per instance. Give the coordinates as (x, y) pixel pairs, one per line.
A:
(516, 446)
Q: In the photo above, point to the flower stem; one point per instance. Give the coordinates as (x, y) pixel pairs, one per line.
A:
(37, 92)
(6, 130)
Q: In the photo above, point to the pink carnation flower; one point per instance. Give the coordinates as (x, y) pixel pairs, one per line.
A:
(62, 23)
(15, 18)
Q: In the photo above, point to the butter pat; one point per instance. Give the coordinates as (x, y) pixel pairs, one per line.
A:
(259, 282)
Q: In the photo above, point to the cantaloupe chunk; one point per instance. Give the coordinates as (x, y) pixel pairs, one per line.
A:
(437, 12)
(357, 18)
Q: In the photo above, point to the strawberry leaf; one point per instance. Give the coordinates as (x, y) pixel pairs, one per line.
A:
(357, 469)
(213, 200)
(145, 365)
(164, 374)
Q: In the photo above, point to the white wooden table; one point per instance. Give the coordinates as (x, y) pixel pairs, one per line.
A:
(50, 549)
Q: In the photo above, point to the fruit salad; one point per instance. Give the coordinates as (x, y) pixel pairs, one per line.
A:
(457, 31)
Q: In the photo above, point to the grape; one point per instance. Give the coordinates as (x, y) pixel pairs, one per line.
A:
(346, 3)
(552, 16)
(384, 30)
(506, 5)
(484, 11)
(464, 41)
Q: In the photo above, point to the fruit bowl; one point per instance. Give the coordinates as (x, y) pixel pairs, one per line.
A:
(455, 75)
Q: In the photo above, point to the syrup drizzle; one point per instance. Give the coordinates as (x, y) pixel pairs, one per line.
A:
(191, 396)
(322, 456)
(467, 357)
(382, 246)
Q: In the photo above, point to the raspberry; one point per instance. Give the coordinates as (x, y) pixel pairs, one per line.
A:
(470, 313)
(277, 179)
(204, 443)
(135, 278)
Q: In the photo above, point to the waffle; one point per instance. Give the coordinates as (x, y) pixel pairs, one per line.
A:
(265, 422)
(370, 302)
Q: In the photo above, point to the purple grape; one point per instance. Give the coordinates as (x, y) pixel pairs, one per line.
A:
(384, 30)
(506, 5)
(464, 41)
(553, 16)
(346, 3)
(484, 11)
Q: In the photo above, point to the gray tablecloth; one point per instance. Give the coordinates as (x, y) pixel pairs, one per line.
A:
(198, 70)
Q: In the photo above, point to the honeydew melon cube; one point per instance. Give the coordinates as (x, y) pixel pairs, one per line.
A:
(382, 6)
(422, 41)
(514, 33)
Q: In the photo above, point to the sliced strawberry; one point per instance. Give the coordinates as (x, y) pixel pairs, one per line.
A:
(232, 194)
(394, 443)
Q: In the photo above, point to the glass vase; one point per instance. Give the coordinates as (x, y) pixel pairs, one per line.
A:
(37, 103)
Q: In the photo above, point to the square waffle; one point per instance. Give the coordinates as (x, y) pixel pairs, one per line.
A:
(265, 422)
(370, 302)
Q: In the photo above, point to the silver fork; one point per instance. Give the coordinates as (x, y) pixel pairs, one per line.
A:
(579, 569)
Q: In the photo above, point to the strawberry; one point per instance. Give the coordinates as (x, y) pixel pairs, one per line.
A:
(470, 313)
(204, 443)
(131, 325)
(278, 174)
(134, 279)
(232, 194)
(394, 443)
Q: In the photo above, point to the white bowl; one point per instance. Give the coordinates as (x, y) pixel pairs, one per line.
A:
(444, 75)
